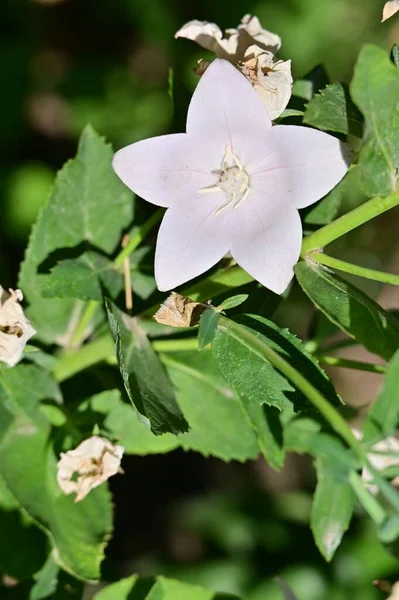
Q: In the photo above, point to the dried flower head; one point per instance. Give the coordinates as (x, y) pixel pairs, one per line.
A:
(179, 311)
(270, 78)
(252, 50)
(90, 464)
(233, 44)
(390, 8)
(15, 328)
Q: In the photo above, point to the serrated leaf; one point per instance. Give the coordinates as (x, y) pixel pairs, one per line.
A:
(233, 301)
(375, 89)
(262, 388)
(88, 204)
(349, 308)
(333, 110)
(218, 426)
(144, 378)
(45, 580)
(207, 327)
(383, 418)
(332, 508)
(77, 532)
(88, 277)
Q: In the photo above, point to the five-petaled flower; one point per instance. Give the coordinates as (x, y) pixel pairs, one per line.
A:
(15, 327)
(232, 183)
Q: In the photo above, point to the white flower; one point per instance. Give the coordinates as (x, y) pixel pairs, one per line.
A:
(232, 183)
(234, 43)
(390, 8)
(251, 49)
(394, 592)
(270, 78)
(93, 461)
(15, 328)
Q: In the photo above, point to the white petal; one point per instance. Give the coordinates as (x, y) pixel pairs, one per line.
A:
(167, 169)
(190, 241)
(226, 110)
(301, 166)
(390, 8)
(267, 243)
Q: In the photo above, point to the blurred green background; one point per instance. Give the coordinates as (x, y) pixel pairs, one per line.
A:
(65, 63)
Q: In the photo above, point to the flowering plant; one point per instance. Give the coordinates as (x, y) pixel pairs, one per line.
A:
(250, 196)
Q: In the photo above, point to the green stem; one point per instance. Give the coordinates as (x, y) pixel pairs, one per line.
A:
(247, 338)
(336, 361)
(370, 503)
(367, 211)
(84, 357)
(138, 235)
(83, 324)
(175, 345)
(364, 272)
(336, 421)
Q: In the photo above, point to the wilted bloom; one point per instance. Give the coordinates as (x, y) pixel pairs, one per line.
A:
(390, 8)
(234, 43)
(180, 311)
(232, 183)
(90, 464)
(251, 49)
(15, 328)
(270, 78)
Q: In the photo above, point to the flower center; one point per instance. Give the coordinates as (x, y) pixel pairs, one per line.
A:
(233, 181)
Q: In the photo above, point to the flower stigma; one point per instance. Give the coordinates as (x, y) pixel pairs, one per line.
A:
(233, 181)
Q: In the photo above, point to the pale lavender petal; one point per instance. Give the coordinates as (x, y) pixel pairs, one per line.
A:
(226, 109)
(267, 243)
(190, 241)
(301, 165)
(167, 170)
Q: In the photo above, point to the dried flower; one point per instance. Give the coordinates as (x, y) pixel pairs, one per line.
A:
(270, 78)
(251, 49)
(234, 43)
(390, 8)
(90, 464)
(231, 183)
(179, 311)
(15, 328)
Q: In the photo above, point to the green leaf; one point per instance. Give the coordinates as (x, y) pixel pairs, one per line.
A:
(247, 370)
(25, 549)
(77, 532)
(350, 309)
(87, 277)
(207, 327)
(383, 418)
(333, 110)
(120, 422)
(285, 588)
(134, 588)
(88, 204)
(233, 301)
(46, 580)
(144, 378)
(333, 505)
(218, 426)
(375, 89)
